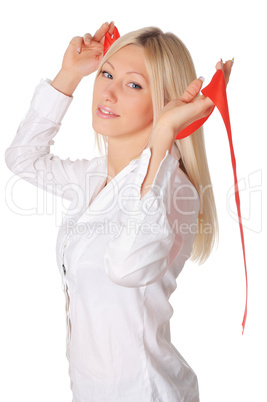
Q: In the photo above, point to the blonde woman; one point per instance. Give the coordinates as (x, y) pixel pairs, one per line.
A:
(137, 213)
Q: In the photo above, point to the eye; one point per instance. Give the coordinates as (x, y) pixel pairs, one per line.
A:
(106, 74)
(135, 86)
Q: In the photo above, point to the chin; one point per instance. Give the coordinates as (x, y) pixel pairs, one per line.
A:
(100, 130)
(104, 128)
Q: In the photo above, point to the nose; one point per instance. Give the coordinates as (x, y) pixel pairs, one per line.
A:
(110, 93)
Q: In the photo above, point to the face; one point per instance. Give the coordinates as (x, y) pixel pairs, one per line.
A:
(122, 104)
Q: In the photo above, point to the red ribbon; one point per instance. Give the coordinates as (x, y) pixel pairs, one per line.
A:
(110, 39)
(216, 91)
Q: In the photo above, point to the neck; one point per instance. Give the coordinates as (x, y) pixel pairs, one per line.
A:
(119, 156)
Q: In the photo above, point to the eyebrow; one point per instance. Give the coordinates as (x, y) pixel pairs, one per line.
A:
(128, 72)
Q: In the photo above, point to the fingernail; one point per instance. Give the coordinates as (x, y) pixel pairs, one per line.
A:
(79, 50)
(201, 78)
(233, 59)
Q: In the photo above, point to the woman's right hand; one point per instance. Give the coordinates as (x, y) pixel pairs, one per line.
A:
(84, 54)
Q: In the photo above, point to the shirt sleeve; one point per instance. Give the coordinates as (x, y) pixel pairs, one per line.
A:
(29, 155)
(150, 237)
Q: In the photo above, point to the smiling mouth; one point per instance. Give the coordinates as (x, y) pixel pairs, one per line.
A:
(104, 113)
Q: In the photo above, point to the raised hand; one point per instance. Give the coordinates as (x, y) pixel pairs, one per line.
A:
(84, 54)
(189, 107)
(81, 58)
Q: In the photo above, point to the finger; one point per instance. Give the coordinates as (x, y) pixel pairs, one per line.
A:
(226, 68)
(100, 33)
(219, 65)
(111, 28)
(77, 43)
(87, 39)
(192, 90)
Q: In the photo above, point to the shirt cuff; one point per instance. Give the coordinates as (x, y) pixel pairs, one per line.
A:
(49, 102)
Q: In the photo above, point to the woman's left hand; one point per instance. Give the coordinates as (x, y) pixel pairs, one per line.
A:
(189, 107)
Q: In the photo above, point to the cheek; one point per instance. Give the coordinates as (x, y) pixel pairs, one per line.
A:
(94, 95)
(142, 111)
(96, 90)
(95, 100)
(146, 111)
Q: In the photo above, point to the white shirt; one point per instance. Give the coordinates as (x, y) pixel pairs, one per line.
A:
(119, 258)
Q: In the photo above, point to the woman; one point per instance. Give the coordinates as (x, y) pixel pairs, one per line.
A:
(136, 214)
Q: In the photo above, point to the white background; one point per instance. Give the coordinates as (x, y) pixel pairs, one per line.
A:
(209, 300)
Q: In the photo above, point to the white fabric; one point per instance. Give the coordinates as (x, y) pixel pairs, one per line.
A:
(118, 280)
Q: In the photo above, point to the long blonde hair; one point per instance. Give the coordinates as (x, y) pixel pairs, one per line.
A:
(170, 68)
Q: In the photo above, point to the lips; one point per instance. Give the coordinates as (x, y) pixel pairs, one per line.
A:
(105, 112)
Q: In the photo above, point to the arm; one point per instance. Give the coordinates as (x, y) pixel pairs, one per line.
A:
(29, 154)
(149, 231)
(65, 82)
(177, 115)
(159, 145)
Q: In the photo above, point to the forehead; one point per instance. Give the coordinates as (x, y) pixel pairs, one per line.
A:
(129, 57)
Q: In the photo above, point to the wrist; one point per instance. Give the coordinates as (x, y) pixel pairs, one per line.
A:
(162, 136)
(66, 82)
